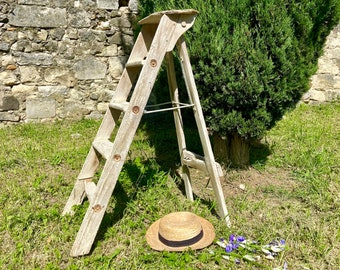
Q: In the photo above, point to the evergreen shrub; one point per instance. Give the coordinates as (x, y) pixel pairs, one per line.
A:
(252, 59)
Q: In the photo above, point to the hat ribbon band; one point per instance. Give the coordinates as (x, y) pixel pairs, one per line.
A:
(182, 243)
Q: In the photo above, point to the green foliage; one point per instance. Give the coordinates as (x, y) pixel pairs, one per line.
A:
(253, 59)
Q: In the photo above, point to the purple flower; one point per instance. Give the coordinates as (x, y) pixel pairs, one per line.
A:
(234, 245)
(229, 248)
(282, 242)
(240, 238)
(232, 238)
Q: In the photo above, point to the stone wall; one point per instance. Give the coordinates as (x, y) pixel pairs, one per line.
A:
(325, 84)
(61, 59)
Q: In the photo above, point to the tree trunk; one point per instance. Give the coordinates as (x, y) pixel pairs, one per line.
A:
(221, 149)
(239, 151)
(231, 150)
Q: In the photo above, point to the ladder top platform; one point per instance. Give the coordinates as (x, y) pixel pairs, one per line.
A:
(154, 18)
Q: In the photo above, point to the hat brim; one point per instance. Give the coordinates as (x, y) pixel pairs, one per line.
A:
(154, 242)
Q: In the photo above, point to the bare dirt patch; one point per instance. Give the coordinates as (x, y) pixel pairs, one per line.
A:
(238, 181)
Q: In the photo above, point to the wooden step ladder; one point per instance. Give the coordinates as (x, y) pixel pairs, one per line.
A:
(159, 35)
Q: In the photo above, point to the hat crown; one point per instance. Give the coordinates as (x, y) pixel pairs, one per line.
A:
(179, 226)
(179, 231)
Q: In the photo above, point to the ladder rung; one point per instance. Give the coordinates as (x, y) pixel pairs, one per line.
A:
(193, 160)
(198, 162)
(132, 64)
(91, 191)
(104, 147)
(121, 106)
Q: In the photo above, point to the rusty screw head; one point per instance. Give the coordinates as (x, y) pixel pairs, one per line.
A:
(97, 208)
(153, 62)
(135, 109)
(116, 157)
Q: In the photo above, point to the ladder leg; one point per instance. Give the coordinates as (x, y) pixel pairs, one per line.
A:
(87, 172)
(204, 137)
(178, 123)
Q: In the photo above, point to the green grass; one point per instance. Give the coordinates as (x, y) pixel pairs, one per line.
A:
(292, 192)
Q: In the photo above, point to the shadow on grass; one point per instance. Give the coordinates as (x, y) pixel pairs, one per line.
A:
(162, 136)
(110, 219)
(259, 153)
(138, 176)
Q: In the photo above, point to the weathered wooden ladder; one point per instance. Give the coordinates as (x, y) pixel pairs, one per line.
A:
(159, 35)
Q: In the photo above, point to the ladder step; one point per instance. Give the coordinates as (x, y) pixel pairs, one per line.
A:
(120, 106)
(104, 147)
(133, 64)
(91, 191)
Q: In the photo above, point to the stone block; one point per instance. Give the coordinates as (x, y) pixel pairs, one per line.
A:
(89, 69)
(109, 51)
(133, 6)
(9, 103)
(322, 81)
(6, 60)
(60, 75)
(317, 95)
(79, 19)
(333, 43)
(125, 22)
(11, 67)
(37, 16)
(74, 110)
(8, 77)
(4, 47)
(128, 43)
(102, 107)
(20, 89)
(327, 66)
(42, 35)
(37, 59)
(57, 33)
(40, 108)
(57, 92)
(116, 38)
(333, 94)
(34, 2)
(75, 94)
(94, 115)
(116, 66)
(9, 116)
(333, 53)
(9, 37)
(108, 4)
(29, 74)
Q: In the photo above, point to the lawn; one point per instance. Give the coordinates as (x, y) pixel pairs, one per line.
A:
(290, 192)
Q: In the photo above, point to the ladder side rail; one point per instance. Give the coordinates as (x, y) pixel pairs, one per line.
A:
(173, 87)
(109, 121)
(204, 137)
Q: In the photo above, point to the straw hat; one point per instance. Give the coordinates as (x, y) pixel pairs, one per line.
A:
(179, 231)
